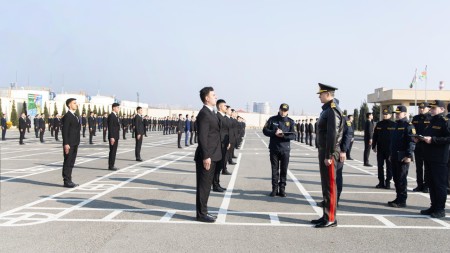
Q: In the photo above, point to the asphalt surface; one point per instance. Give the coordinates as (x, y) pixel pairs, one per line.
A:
(150, 206)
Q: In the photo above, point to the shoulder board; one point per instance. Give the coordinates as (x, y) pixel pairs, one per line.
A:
(333, 105)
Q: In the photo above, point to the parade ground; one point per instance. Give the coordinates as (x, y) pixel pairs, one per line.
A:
(149, 206)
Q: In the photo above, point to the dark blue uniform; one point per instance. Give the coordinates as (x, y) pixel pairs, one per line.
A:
(402, 146)
(436, 155)
(420, 122)
(3, 128)
(280, 148)
(382, 144)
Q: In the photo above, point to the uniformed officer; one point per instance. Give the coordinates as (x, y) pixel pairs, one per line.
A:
(402, 148)
(302, 130)
(91, 123)
(105, 126)
(330, 128)
(297, 127)
(22, 128)
(36, 125)
(50, 125)
(315, 132)
(420, 122)
(381, 144)
(3, 126)
(180, 128)
(436, 137)
(41, 128)
(83, 124)
(57, 126)
(368, 135)
(306, 131)
(352, 133)
(280, 129)
(28, 123)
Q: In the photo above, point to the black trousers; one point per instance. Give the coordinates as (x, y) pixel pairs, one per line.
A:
(438, 184)
(306, 138)
(382, 157)
(302, 134)
(339, 179)
(137, 147)
(36, 131)
(123, 133)
(52, 130)
(104, 134)
(204, 182)
(69, 162)
(349, 150)
(279, 161)
(422, 173)
(112, 153)
(84, 131)
(448, 165)
(41, 135)
(221, 166)
(230, 153)
(28, 129)
(56, 133)
(400, 174)
(310, 139)
(22, 135)
(366, 151)
(192, 137)
(4, 134)
(298, 137)
(179, 138)
(91, 134)
(329, 187)
(195, 137)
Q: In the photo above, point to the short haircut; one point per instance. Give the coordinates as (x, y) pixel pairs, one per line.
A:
(115, 105)
(205, 92)
(69, 100)
(368, 114)
(220, 101)
(138, 108)
(350, 115)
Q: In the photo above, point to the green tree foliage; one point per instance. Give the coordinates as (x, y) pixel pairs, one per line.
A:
(46, 115)
(14, 118)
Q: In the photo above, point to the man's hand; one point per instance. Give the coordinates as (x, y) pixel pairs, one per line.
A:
(342, 157)
(374, 150)
(229, 146)
(66, 149)
(138, 136)
(327, 162)
(406, 160)
(427, 139)
(370, 142)
(279, 133)
(112, 141)
(207, 163)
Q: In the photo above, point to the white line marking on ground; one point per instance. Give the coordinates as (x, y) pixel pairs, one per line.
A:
(274, 220)
(167, 216)
(385, 221)
(221, 217)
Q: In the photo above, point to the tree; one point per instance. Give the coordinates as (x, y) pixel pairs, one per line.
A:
(89, 109)
(362, 115)
(345, 112)
(46, 112)
(77, 112)
(14, 117)
(24, 108)
(120, 113)
(55, 110)
(355, 118)
(95, 109)
(376, 110)
(103, 110)
(1, 109)
(63, 111)
(84, 109)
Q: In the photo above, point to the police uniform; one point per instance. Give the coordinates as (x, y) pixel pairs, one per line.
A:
(436, 159)
(420, 122)
(330, 129)
(280, 149)
(381, 144)
(402, 146)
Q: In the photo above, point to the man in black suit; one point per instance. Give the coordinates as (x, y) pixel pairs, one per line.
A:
(50, 125)
(191, 129)
(138, 133)
(3, 126)
(22, 128)
(225, 144)
(83, 124)
(368, 135)
(91, 123)
(113, 135)
(28, 123)
(41, 127)
(56, 126)
(105, 125)
(311, 131)
(71, 140)
(180, 129)
(208, 152)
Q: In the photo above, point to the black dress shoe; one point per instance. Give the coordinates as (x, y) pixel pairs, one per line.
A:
(368, 165)
(226, 172)
(234, 156)
(224, 189)
(70, 185)
(232, 163)
(282, 193)
(397, 204)
(179, 147)
(350, 159)
(139, 160)
(217, 189)
(379, 186)
(326, 224)
(274, 193)
(318, 221)
(321, 203)
(428, 211)
(438, 214)
(418, 189)
(206, 218)
(387, 186)
(113, 168)
(425, 190)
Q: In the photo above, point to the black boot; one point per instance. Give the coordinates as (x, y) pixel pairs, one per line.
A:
(282, 192)
(274, 192)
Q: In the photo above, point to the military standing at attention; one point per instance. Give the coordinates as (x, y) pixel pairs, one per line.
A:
(280, 129)
(36, 125)
(83, 124)
(105, 126)
(368, 135)
(402, 151)
(56, 126)
(113, 135)
(91, 123)
(420, 122)
(436, 137)
(41, 128)
(28, 123)
(71, 140)
(3, 126)
(381, 145)
(352, 133)
(330, 128)
(139, 133)
(22, 128)
(180, 129)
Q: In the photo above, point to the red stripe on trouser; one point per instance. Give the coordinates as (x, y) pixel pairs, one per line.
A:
(332, 191)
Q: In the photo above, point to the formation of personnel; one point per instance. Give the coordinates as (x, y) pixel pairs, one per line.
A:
(305, 130)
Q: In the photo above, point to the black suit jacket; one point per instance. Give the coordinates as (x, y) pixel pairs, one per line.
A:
(224, 123)
(113, 126)
(208, 136)
(368, 130)
(22, 123)
(4, 123)
(71, 129)
(42, 123)
(91, 122)
(138, 125)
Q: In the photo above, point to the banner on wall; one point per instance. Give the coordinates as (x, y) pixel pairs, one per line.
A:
(34, 104)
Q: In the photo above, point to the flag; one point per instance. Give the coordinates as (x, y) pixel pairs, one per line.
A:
(413, 82)
(441, 85)
(423, 74)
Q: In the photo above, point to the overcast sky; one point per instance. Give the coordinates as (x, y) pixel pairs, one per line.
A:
(274, 51)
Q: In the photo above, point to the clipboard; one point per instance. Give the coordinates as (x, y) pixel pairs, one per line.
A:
(418, 136)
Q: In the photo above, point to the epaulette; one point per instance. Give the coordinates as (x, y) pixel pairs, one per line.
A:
(333, 105)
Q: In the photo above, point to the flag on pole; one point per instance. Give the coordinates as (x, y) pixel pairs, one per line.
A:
(441, 85)
(414, 80)
(423, 74)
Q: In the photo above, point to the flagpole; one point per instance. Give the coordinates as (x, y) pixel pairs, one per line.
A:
(415, 100)
(426, 81)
